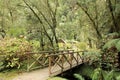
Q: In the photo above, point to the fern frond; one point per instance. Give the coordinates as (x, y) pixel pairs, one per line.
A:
(97, 75)
(118, 78)
(118, 45)
(110, 76)
(111, 43)
(79, 77)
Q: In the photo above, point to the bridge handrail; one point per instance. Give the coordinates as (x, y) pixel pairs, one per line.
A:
(46, 52)
(65, 53)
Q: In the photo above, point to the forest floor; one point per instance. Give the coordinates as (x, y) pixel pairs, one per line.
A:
(41, 74)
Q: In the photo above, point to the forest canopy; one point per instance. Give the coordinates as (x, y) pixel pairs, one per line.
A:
(47, 21)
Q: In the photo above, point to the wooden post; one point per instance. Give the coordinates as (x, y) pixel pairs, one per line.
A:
(82, 58)
(62, 60)
(50, 64)
(77, 57)
(70, 60)
(28, 61)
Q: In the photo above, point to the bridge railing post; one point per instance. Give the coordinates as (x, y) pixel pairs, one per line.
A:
(62, 62)
(82, 57)
(77, 57)
(28, 60)
(50, 64)
(71, 57)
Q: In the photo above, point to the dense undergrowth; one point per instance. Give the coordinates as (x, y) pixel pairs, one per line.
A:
(12, 52)
(108, 67)
(98, 74)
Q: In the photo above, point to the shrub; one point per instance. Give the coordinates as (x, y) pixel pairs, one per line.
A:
(35, 45)
(82, 45)
(92, 56)
(12, 52)
(111, 52)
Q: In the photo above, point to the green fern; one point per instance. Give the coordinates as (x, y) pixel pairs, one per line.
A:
(97, 75)
(111, 43)
(79, 77)
(118, 78)
(118, 45)
(110, 76)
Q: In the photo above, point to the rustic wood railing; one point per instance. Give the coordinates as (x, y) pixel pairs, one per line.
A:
(63, 61)
(57, 61)
(39, 59)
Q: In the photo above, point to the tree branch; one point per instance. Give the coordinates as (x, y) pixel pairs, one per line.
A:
(112, 15)
(39, 21)
(93, 22)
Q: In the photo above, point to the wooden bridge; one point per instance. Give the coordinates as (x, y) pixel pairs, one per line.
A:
(56, 62)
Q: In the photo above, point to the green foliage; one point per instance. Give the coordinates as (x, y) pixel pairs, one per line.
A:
(110, 51)
(92, 56)
(12, 52)
(110, 76)
(16, 31)
(85, 70)
(79, 77)
(57, 78)
(112, 43)
(82, 46)
(97, 75)
(118, 45)
(74, 45)
(118, 78)
(35, 45)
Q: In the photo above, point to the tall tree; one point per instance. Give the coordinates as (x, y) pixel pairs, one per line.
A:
(47, 21)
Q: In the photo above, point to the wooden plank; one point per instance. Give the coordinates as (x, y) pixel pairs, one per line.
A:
(50, 65)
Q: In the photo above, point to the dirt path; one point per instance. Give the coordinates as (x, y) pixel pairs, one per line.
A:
(34, 75)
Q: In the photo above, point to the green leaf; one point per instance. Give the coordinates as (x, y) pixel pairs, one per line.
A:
(79, 77)
(110, 76)
(118, 45)
(111, 43)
